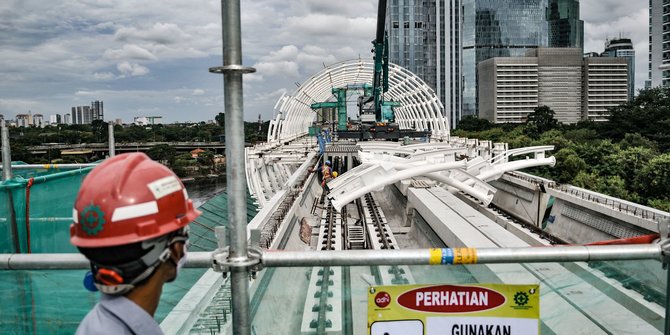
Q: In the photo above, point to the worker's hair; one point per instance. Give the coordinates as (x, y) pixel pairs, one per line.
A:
(115, 255)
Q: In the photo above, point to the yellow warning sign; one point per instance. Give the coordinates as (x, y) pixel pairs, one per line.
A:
(454, 309)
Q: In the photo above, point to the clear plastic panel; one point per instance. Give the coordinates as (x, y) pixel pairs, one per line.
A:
(575, 298)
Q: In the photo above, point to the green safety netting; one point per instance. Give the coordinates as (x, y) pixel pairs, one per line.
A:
(38, 202)
(55, 301)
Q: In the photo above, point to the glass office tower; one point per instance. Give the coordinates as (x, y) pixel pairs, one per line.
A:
(566, 30)
(498, 28)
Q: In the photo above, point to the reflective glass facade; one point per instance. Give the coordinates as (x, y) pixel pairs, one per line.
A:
(566, 30)
(498, 28)
(410, 25)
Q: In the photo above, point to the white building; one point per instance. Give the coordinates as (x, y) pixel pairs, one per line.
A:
(575, 88)
(659, 48)
(605, 86)
(23, 120)
(147, 120)
(38, 121)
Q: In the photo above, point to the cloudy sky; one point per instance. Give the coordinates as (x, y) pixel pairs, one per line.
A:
(151, 57)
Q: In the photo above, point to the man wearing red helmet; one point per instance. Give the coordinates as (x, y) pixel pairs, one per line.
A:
(131, 221)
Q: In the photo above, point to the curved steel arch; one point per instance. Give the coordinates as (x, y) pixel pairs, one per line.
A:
(419, 105)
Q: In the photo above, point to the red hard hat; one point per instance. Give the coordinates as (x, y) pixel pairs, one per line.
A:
(129, 198)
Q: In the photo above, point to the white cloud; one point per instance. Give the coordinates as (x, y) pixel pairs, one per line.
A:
(130, 51)
(160, 33)
(132, 69)
(631, 21)
(103, 76)
(97, 49)
(278, 69)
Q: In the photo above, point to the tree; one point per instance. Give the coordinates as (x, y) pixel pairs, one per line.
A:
(473, 123)
(636, 140)
(541, 120)
(648, 115)
(568, 165)
(221, 119)
(652, 181)
(206, 160)
(163, 153)
(101, 130)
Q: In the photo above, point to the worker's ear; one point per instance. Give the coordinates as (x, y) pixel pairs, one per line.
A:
(177, 251)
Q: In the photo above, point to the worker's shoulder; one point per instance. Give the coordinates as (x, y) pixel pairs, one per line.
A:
(101, 321)
(118, 315)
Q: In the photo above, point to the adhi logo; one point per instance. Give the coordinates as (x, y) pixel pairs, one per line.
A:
(382, 299)
(451, 299)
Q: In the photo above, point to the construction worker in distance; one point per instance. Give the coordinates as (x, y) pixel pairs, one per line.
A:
(326, 174)
(131, 221)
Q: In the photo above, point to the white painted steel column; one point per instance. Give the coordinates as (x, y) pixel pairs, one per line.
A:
(7, 175)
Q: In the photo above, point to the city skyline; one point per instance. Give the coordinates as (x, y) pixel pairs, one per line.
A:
(154, 59)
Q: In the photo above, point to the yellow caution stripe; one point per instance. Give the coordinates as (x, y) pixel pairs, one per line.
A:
(452, 256)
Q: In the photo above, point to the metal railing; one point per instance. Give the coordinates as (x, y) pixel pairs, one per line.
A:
(279, 258)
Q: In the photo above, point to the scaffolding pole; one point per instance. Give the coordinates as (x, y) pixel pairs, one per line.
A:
(112, 144)
(233, 70)
(437, 257)
(7, 175)
(51, 166)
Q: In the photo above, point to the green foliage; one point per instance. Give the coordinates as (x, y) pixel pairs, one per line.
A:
(662, 204)
(648, 115)
(654, 179)
(163, 153)
(541, 120)
(636, 140)
(221, 119)
(582, 135)
(568, 165)
(626, 157)
(473, 123)
(593, 153)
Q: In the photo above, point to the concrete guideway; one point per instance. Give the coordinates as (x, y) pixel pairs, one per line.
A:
(565, 296)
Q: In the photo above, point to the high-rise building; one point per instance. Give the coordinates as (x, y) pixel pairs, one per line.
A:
(22, 120)
(97, 110)
(623, 48)
(442, 41)
(55, 119)
(575, 88)
(659, 48)
(87, 114)
(38, 120)
(566, 30)
(498, 28)
(605, 85)
(67, 119)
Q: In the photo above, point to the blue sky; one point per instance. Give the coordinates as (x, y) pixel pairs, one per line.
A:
(151, 57)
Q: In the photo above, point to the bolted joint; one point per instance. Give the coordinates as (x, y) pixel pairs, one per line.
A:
(232, 69)
(222, 262)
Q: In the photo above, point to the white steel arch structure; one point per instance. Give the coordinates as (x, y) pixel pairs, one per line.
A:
(419, 107)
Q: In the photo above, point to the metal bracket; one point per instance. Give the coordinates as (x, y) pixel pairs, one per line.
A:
(222, 262)
(232, 68)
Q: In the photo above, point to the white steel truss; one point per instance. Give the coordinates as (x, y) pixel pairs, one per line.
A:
(419, 107)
